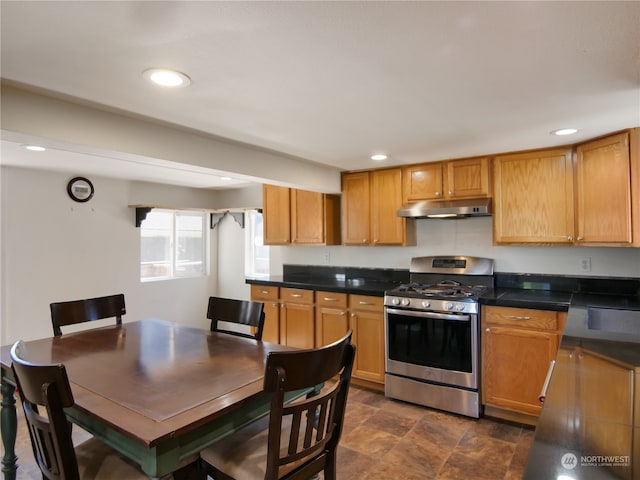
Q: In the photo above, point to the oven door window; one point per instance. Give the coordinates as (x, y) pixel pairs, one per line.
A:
(430, 342)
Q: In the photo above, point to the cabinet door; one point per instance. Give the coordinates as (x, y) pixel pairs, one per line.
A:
(533, 198)
(422, 182)
(367, 323)
(276, 215)
(332, 321)
(307, 217)
(297, 325)
(514, 367)
(269, 296)
(468, 178)
(386, 199)
(603, 183)
(356, 208)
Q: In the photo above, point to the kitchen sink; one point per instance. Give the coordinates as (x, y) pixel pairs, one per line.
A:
(614, 320)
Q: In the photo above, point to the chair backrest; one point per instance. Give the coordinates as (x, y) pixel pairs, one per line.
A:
(87, 310)
(242, 312)
(46, 386)
(304, 435)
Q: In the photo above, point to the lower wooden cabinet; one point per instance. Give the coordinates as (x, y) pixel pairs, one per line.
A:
(518, 346)
(297, 318)
(332, 321)
(366, 319)
(270, 297)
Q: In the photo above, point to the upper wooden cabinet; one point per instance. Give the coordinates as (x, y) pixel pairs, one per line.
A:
(554, 197)
(300, 217)
(276, 206)
(533, 197)
(371, 201)
(603, 191)
(468, 178)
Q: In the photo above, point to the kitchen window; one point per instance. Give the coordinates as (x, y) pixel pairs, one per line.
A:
(256, 253)
(173, 245)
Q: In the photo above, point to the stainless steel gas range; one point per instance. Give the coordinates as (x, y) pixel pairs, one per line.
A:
(432, 333)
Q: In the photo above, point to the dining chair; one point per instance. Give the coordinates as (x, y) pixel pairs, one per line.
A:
(297, 439)
(45, 392)
(238, 312)
(87, 310)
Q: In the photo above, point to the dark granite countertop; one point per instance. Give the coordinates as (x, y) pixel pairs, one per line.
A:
(586, 429)
(353, 286)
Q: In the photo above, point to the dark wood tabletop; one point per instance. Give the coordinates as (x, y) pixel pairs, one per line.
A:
(157, 386)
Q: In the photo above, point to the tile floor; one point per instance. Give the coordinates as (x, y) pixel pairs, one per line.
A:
(388, 439)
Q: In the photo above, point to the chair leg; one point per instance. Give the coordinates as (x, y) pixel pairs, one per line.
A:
(330, 467)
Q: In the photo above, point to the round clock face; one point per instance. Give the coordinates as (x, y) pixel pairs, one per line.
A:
(80, 189)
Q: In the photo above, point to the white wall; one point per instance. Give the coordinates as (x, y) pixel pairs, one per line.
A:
(54, 249)
(470, 236)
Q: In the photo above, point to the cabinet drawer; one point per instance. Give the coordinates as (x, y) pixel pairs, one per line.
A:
(331, 299)
(366, 302)
(521, 317)
(261, 292)
(296, 295)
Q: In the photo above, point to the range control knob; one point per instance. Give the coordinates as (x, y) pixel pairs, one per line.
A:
(426, 304)
(460, 307)
(449, 306)
(405, 302)
(395, 301)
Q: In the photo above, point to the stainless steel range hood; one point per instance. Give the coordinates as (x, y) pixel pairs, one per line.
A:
(447, 209)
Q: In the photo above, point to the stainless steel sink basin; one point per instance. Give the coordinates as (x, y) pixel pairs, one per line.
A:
(614, 320)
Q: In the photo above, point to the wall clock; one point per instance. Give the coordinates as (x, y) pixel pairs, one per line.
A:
(80, 189)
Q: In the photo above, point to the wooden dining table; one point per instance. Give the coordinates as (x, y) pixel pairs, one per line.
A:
(158, 392)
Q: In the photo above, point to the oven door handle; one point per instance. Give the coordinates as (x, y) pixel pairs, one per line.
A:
(438, 316)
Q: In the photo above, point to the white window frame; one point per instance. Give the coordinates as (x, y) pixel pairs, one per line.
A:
(175, 273)
(254, 238)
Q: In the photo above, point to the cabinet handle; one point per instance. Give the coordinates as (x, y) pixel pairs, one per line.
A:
(488, 330)
(451, 193)
(545, 385)
(570, 238)
(353, 315)
(275, 304)
(580, 239)
(330, 299)
(296, 295)
(264, 292)
(517, 317)
(362, 302)
(438, 194)
(364, 240)
(343, 313)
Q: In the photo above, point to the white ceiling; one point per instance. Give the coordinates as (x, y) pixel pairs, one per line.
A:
(333, 82)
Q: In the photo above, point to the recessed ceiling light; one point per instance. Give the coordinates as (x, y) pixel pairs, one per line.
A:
(225, 178)
(166, 78)
(564, 131)
(35, 148)
(379, 157)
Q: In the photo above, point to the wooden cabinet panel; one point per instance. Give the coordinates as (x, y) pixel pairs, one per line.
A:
(386, 199)
(276, 215)
(515, 365)
(468, 178)
(297, 318)
(533, 198)
(603, 184)
(518, 346)
(356, 208)
(269, 296)
(315, 218)
(422, 182)
(332, 321)
(366, 320)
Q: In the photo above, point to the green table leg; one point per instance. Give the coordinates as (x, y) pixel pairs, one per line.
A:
(9, 429)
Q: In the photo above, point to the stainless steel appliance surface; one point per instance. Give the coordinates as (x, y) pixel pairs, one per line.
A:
(432, 353)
